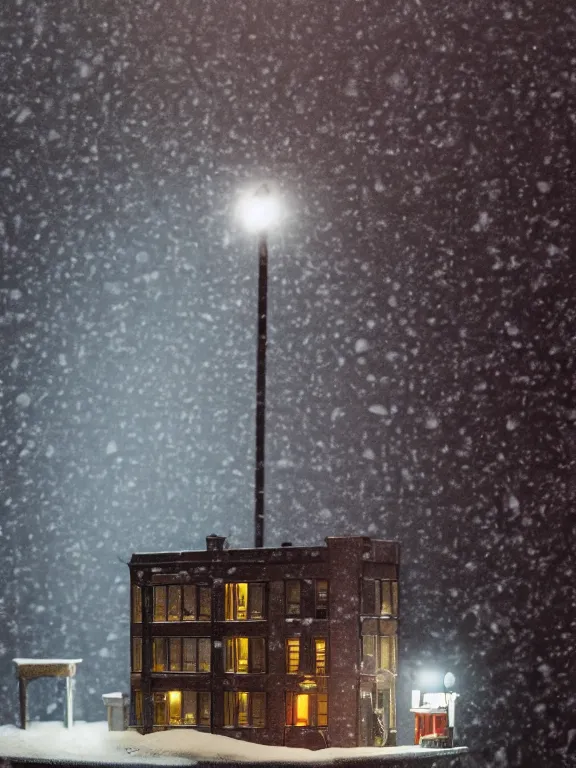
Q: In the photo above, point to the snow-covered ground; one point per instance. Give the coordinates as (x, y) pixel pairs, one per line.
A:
(93, 742)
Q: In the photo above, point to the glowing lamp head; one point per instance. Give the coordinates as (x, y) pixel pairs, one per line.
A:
(449, 681)
(430, 680)
(260, 211)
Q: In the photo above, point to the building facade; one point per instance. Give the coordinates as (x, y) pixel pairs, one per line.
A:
(292, 646)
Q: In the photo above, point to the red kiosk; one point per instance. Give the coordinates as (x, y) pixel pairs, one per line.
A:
(434, 710)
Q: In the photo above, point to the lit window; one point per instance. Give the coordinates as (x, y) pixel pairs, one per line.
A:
(196, 708)
(244, 601)
(302, 709)
(160, 708)
(137, 707)
(387, 597)
(159, 603)
(159, 654)
(387, 653)
(204, 654)
(136, 605)
(175, 651)
(369, 653)
(204, 603)
(190, 708)
(245, 654)
(307, 710)
(175, 707)
(204, 708)
(136, 654)
(292, 655)
(320, 654)
(243, 709)
(321, 599)
(181, 654)
(293, 598)
(189, 654)
(176, 603)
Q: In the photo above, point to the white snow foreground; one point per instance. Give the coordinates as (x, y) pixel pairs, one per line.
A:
(94, 743)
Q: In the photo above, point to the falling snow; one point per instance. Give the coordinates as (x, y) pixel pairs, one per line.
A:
(421, 352)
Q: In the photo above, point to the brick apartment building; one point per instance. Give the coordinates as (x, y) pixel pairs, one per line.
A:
(292, 646)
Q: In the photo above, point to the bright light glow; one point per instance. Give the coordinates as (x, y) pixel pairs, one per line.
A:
(260, 210)
(430, 679)
(175, 706)
(449, 680)
(302, 718)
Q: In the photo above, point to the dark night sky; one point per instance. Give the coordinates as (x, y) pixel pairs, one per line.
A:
(422, 322)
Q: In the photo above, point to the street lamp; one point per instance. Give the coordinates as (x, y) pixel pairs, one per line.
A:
(259, 211)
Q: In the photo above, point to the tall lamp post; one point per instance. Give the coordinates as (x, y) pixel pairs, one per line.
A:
(260, 211)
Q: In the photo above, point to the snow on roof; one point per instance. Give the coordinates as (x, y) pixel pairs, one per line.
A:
(21, 662)
(92, 742)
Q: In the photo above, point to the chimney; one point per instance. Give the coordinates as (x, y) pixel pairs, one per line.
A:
(215, 543)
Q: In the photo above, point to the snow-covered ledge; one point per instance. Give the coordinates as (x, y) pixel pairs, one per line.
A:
(92, 743)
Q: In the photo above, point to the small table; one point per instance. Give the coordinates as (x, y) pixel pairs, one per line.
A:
(30, 669)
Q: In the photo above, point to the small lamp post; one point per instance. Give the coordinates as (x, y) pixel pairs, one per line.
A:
(259, 211)
(451, 696)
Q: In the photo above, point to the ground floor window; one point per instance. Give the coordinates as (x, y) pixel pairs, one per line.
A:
(137, 707)
(136, 654)
(182, 708)
(307, 710)
(244, 709)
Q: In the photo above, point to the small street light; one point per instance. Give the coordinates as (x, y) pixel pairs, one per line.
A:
(260, 211)
(451, 696)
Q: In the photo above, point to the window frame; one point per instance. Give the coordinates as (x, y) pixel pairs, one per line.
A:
(232, 709)
(170, 642)
(231, 601)
(392, 597)
(392, 653)
(321, 606)
(293, 607)
(137, 707)
(230, 650)
(315, 656)
(136, 604)
(136, 658)
(199, 605)
(372, 662)
(295, 641)
(369, 656)
(318, 709)
(202, 703)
